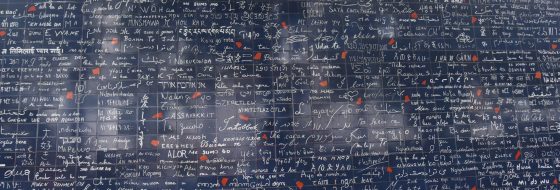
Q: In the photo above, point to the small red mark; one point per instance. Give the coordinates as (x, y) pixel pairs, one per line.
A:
(324, 83)
(413, 15)
(284, 25)
(158, 115)
(154, 142)
(203, 157)
(299, 185)
(238, 44)
(554, 46)
(224, 181)
(3, 33)
(244, 117)
(115, 41)
(424, 82)
(392, 41)
(474, 58)
(555, 181)
(474, 19)
(196, 95)
(31, 9)
(518, 154)
(258, 56)
(264, 137)
(96, 71)
(360, 101)
(69, 95)
(478, 92)
(389, 169)
(497, 110)
(344, 54)
(538, 75)
(473, 187)
(406, 99)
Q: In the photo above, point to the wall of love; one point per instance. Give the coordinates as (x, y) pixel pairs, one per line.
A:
(281, 94)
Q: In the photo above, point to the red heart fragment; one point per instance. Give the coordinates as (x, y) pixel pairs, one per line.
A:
(158, 115)
(474, 19)
(244, 117)
(518, 154)
(196, 95)
(360, 101)
(392, 41)
(258, 56)
(203, 157)
(31, 9)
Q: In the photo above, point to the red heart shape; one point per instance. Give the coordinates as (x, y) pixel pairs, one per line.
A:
(299, 184)
(538, 75)
(96, 71)
(414, 15)
(154, 143)
(324, 83)
(69, 95)
(224, 181)
(474, 58)
(389, 169)
(344, 54)
(406, 99)
(284, 25)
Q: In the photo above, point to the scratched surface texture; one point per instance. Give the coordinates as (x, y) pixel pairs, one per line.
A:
(301, 95)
